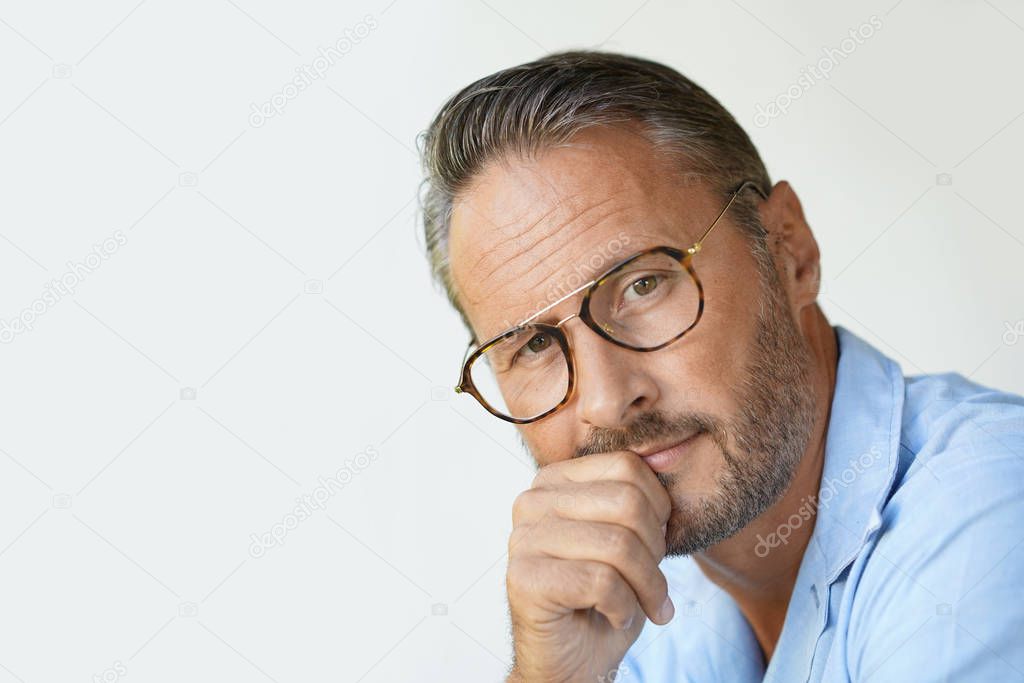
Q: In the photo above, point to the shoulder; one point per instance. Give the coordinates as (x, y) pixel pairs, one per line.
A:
(938, 586)
(963, 438)
(947, 410)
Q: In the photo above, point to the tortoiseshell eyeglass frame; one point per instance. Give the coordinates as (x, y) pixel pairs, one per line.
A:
(683, 256)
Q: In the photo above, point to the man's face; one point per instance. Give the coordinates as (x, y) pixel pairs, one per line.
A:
(739, 380)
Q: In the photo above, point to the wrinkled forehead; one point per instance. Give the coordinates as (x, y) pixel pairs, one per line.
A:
(527, 232)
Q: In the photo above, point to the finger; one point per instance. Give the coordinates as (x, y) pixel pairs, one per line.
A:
(614, 502)
(615, 466)
(610, 544)
(545, 587)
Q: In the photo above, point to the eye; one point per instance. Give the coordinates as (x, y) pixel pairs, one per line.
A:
(538, 343)
(534, 351)
(641, 287)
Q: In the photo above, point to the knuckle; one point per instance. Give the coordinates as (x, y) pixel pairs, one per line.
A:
(516, 577)
(523, 502)
(516, 538)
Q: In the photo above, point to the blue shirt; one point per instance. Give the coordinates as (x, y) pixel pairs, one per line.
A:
(915, 568)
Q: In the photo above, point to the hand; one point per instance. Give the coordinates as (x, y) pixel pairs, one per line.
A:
(583, 572)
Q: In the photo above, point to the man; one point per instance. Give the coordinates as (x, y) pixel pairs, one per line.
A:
(730, 488)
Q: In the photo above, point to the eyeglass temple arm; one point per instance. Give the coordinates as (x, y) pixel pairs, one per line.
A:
(746, 183)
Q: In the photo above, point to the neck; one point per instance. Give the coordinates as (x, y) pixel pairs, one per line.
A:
(761, 584)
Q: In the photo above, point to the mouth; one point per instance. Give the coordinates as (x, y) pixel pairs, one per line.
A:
(665, 458)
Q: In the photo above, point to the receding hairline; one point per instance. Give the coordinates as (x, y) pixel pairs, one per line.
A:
(546, 102)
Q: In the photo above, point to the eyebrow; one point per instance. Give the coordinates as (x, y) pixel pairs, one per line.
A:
(543, 315)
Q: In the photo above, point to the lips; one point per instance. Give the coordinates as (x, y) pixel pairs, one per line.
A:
(665, 458)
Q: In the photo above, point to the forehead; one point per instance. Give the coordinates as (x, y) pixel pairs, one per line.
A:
(527, 232)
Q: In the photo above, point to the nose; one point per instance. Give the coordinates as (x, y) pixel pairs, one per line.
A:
(613, 384)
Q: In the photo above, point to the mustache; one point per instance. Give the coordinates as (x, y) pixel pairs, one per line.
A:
(648, 427)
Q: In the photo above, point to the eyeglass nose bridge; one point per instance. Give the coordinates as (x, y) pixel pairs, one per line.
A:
(590, 323)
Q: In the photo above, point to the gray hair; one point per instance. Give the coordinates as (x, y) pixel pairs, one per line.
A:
(542, 104)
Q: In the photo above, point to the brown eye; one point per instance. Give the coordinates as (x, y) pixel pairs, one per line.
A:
(538, 343)
(644, 285)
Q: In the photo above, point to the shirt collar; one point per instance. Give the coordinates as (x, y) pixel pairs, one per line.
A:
(861, 453)
(860, 463)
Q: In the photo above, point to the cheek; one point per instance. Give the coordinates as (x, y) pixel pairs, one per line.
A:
(723, 342)
(699, 375)
(732, 296)
(686, 381)
(549, 440)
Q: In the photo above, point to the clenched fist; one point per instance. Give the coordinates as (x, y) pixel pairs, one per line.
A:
(583, 570)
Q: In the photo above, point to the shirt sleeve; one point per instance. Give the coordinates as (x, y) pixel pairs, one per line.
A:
(939, 596)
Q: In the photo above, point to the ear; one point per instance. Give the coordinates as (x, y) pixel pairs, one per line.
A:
(793, 246)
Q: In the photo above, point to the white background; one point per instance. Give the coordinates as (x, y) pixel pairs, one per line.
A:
(127, 510)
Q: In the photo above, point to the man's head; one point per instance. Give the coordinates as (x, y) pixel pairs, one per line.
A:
(536, 178)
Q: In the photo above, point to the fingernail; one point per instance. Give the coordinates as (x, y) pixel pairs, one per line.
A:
(667, 611)
(629, 622)
(664, 529)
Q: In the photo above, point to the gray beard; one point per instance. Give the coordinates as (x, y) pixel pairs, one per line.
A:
(770, 436)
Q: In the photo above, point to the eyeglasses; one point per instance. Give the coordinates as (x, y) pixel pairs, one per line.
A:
(643, 303)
